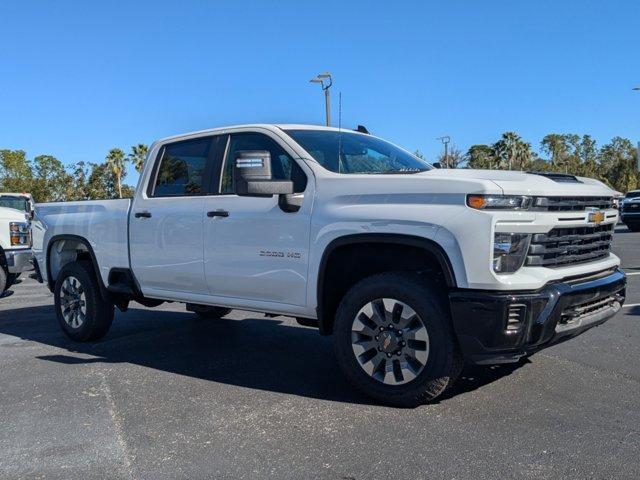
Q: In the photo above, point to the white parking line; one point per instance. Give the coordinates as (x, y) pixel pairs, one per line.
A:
(631, 305)
(632, 273)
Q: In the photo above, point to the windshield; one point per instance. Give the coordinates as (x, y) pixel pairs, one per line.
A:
(346, 152)
(632, 195)
(19, 203)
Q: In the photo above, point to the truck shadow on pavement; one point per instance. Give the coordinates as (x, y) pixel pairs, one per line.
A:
(258, 353)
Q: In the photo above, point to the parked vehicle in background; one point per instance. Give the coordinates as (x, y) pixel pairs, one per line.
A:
(630, 210)
(412, 269)
(15, 243)
(17, 201)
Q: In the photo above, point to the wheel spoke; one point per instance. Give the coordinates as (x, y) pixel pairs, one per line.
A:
(379, 314)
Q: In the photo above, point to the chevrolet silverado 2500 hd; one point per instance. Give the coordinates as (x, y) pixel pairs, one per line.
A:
(412, 269)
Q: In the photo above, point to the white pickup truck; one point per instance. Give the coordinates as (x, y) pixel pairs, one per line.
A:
(15, 237)
(412, 269)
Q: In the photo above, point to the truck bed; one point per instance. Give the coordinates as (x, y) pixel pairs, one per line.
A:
(104, 223)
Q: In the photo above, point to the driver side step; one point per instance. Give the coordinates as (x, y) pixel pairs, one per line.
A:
(121, 288)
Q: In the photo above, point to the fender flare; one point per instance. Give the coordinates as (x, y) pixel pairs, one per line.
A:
(76, 238)
(389, 238)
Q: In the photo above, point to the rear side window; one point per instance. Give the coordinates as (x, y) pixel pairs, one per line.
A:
(283, 167)
(182, 169)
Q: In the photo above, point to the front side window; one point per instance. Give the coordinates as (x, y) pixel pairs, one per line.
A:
(347, 152)
(181, 169)
(283, 167)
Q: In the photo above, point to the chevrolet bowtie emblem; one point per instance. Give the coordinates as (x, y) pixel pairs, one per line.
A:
(596, 217)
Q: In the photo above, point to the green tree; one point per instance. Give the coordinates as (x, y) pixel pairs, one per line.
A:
(116, 161)
(77, 189)
(50, 181)
(138, 155)
(618, 164)
(556, 145)
(480, 156)
(512, 151)
(15, 171)
(101, 182)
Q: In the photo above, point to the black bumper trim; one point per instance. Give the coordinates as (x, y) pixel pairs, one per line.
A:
(480, 318)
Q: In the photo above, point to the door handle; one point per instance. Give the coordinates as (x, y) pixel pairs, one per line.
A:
(144, 214)
(218, 213)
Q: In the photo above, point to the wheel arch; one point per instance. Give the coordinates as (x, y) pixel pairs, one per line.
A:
(73, 253)
(432, 250)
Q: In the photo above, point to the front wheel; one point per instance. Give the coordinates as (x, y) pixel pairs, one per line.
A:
(394, 341)
(83, 314)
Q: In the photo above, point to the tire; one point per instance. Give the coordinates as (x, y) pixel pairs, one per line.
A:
(634, 227)
(4, 280)
(11, 279)
(419, 369)
(86, 316)
(207, 312)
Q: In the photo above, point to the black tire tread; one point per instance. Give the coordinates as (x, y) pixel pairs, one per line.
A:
(100, 312)
(421, 294)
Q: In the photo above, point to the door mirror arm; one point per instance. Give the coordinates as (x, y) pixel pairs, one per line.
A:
(291, 202)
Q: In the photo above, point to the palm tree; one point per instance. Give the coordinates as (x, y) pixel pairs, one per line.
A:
(138, 155)
(512, 151)
(116, 161)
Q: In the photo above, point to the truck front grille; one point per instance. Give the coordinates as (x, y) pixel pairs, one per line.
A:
(571, 204)
(563, 247)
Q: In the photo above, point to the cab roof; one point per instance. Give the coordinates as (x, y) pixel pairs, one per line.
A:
(267, 126)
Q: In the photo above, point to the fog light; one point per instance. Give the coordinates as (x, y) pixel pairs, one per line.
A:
(509, 251)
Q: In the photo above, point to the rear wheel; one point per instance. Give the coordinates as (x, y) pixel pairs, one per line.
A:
(394, 341)
(4, 280)
(83, 314)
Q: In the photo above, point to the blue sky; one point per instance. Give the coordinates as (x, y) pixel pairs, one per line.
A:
(77, 77)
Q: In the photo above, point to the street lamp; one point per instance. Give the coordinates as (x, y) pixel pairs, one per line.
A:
(325, 81)
(445, 141)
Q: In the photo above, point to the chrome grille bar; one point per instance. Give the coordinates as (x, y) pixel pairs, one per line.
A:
(569, 246)
(570, 204)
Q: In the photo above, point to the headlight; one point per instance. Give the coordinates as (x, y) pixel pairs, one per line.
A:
(498, 202)
(509, 251)
(19, 234)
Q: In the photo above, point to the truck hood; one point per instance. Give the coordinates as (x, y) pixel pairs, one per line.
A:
(12, 215)
(522, 183)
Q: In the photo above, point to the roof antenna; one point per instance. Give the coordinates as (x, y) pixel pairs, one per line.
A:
(339, 110)
(340, 169)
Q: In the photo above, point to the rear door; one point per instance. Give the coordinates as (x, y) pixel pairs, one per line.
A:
(166, 225)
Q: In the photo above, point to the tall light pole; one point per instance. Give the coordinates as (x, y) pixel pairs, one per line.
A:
(325, 81)
(445, 141)
(638, 150)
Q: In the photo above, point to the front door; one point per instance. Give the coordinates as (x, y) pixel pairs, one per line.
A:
(252, 248)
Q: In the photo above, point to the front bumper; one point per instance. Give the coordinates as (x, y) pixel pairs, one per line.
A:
(500, 327)
(630, 216)
(19, 260)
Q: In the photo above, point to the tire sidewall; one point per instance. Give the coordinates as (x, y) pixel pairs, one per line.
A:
(4, 280)
(427, 305)
(91, 291)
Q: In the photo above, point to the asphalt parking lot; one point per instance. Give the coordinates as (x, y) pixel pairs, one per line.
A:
(166, 395)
